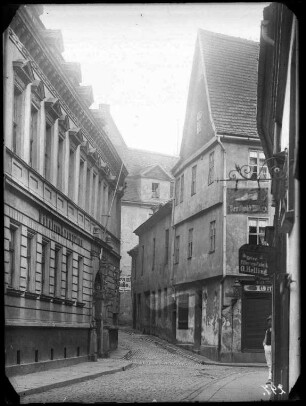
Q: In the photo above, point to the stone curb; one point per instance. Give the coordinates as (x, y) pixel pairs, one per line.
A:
(200, 360)
(67, 382)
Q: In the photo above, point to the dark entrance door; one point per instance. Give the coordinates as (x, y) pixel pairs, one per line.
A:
(256, 307)
(198, 319)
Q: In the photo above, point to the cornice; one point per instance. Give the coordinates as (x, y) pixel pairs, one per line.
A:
(23, 34)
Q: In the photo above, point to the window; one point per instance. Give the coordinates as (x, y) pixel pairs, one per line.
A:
(153, 259)
(33, 137)
(199, 121)
(71, 174)
(80, 279)
(177, 249)
(14, 252)
(183, 310)
(31, 261)
(182, 188)
(45, 262)
(60, 160)
(155, 190)
(212, 236)
(142, 259)
(193, 179)
(93, 194)
(165, 303)
(256, 160)
(190, 242)
(87, 197)
(159, 304)
(211, 167)
(177, 191)
(57, 271)
(257, 230)
(48, 142)
(17, 117)
(68, 275)
(166, 246)
(81, 182)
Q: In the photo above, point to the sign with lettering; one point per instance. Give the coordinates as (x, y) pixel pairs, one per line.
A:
(247, 200)
(55, 226)
(258, 288)
(256, 260)
(125, 283)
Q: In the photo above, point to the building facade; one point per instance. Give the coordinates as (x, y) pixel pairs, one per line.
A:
(278, 127)
(62, 180)
(221, 307)
(152, 293)
(149, 184)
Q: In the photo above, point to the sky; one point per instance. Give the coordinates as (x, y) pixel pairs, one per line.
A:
(138, 58)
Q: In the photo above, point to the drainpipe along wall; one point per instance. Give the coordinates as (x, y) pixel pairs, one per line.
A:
(223, 247)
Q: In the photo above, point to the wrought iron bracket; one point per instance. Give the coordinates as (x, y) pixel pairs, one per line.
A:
(277, 167)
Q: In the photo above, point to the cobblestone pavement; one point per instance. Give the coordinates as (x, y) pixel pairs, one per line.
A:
(156, 374)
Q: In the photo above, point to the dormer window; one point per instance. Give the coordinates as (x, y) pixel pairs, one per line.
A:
(155, 190)
(199, 121)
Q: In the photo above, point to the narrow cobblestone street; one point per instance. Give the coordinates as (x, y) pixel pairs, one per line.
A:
(156, 374)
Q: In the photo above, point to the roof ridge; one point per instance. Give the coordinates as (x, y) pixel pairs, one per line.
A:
(152, 152)
(225, 36)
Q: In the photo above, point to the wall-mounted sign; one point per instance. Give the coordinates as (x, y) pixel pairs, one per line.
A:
(256, 260)
(258, 288)
(247, 200)
(125, 283)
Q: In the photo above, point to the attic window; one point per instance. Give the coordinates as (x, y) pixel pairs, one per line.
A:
(199, 121)
(155, 190)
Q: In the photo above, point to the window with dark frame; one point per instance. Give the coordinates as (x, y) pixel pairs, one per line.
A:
(212, 236)
(211, 167)
(80, 279)
(68, 274)
(44, 264)
(12, 251)
(33, 137)
(177, 249)
(155, 190)
(17, 115)
(177, 191)
(166, 246)
(182, 189)
(60, 160)
(57, 269)
(190, 243)
(183, 311)
(153, 256)
(47, 152)
(30, 241)
(193, 180)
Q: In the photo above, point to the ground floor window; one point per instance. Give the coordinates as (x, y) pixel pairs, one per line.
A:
(183, 310)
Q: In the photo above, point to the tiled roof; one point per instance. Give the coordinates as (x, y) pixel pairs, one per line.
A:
(231, 70)
(138, 159)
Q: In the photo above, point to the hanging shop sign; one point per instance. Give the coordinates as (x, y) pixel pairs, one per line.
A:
(247, 200)
(256, 260)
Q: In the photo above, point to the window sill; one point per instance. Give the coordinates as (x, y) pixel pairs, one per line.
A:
(13, 292)
(31, 295)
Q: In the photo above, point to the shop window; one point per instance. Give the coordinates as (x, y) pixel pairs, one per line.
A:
(193, 180)
(155, 190)
(211, 167)
(256, 230)
(212, 236)
(190, 243)
(183, 311)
